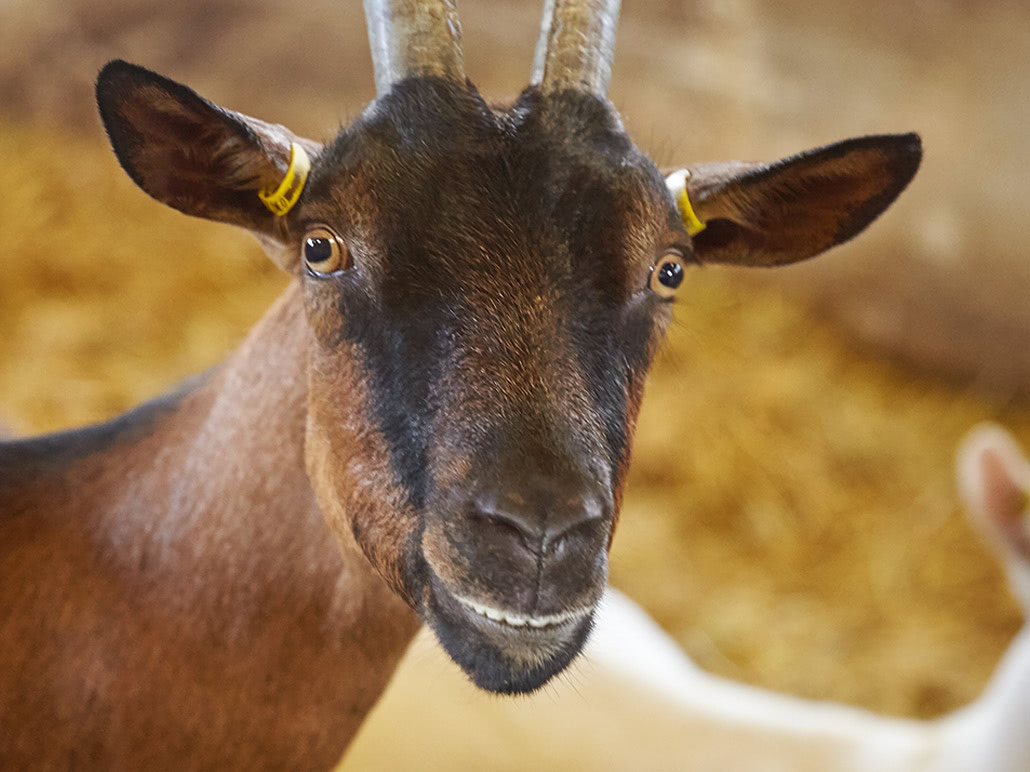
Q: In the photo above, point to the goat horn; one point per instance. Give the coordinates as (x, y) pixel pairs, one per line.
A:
(576, 46)
(412, 38)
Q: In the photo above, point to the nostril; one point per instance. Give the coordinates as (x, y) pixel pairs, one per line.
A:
(584, 529)
(511, 520)
(582, 523)
(504, 523)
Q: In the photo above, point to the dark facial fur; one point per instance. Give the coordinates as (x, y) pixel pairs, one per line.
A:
(499, 312)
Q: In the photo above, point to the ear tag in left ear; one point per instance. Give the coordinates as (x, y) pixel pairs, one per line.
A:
(282, 199)
(677, 184)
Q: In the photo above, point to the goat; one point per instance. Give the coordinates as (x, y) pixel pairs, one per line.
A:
(432, 425)
(638, 702)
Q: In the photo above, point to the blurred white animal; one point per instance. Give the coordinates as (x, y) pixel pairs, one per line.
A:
(637, 702)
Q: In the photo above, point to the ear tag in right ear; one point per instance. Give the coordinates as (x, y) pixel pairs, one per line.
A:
(677, 184)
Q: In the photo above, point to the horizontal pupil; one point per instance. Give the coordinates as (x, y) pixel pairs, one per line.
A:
(318, 250)
(671, 275)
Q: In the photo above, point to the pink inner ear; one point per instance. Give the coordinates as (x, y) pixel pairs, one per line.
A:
(1004, 501)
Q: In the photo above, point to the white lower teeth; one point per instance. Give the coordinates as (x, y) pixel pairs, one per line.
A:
(516, 620)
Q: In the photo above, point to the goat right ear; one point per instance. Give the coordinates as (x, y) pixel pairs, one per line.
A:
(754, 214)
(197, 157)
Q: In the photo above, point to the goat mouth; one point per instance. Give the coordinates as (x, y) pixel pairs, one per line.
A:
(512, 619)
(500, 650)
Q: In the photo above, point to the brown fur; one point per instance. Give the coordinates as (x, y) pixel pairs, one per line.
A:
(186, 605)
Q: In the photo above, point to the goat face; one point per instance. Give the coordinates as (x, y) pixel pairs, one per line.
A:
(494, 311)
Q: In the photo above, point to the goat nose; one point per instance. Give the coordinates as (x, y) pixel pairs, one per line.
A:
(543, 516)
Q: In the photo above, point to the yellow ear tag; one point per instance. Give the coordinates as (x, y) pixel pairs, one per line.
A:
(677, 183)
(282, 199)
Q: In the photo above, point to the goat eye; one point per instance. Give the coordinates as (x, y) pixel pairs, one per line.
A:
(324, 251)
(667, 275)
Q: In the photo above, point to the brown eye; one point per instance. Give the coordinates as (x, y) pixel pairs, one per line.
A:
(667, 275)
(324, 251)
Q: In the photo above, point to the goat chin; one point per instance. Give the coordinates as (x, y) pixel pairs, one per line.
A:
(636, 701)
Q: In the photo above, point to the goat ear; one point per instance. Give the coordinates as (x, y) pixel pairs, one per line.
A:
(789, 210)
(994, 479)
(195, 156)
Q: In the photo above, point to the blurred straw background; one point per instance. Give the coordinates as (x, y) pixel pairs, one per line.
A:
(792, 517)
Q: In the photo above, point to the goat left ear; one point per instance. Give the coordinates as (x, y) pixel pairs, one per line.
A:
(202, 159)
(789, 210)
